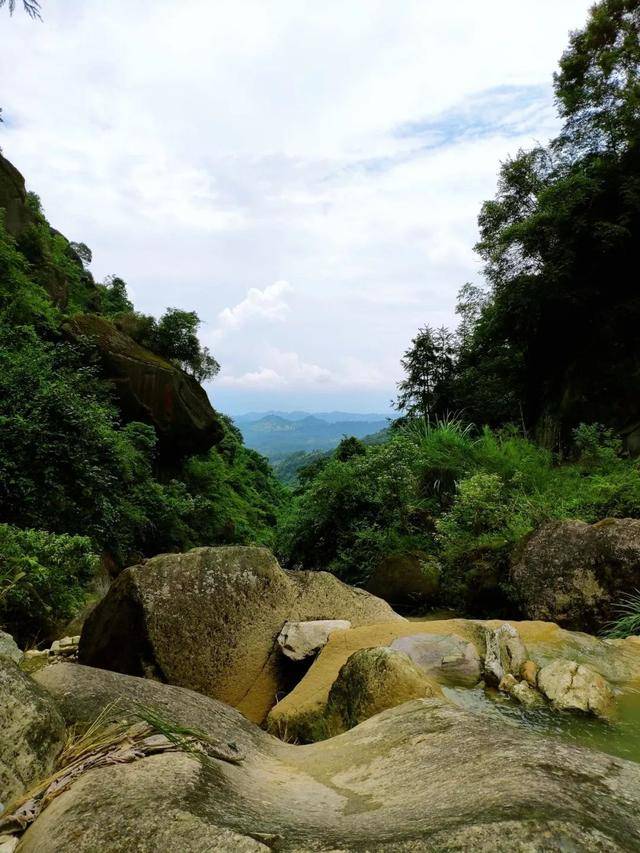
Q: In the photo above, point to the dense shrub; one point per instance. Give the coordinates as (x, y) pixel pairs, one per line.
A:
(42, 580)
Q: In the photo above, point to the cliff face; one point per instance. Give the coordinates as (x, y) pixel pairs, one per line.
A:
(151, 389)
(148, 388)
(13, 198)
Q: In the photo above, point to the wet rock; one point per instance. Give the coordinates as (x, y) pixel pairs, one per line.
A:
(209, 620)
(300, 640)
(31, 731)
(424, 776)
(406, 580)
(448, 658)
(9, 648)
(522, 691)
(505, 653)
(575, 687)
(574, 573)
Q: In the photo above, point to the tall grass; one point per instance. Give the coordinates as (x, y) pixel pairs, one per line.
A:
(627, 623)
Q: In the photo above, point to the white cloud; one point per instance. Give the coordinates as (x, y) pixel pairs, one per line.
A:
(202, 149)
(269, 304)
(283, 368)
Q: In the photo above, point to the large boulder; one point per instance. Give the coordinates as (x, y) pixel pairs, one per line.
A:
(209, 620)
(406, 580)
(31, 732)
(574, 573)
(425, 776)
(13, 198)
(371, 681)
(151, 389)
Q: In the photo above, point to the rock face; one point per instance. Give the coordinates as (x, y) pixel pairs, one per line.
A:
(31, 732)
(209, 620)
(574, 687)
(505, 653)
(406, 580)
(426, 776)
(9, 648)
(371, 681)
(13, 198)
(300, 640)
(151, 389)
(446, 657)
(574, 573)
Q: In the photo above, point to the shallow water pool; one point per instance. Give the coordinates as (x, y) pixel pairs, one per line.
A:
(619, 737)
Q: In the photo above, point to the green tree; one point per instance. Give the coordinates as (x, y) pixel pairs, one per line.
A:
(428, 366)
(176, 338)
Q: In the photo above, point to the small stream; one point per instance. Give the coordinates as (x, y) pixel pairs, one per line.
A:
(620, 737)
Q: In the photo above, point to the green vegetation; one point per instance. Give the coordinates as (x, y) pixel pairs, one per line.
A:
(628, 621)
(466, 498)
(77, 478)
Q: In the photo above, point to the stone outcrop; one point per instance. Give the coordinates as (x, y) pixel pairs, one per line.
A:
(300, 640)
(209, 620)
(574, 573)
(446, 657)
(425, 776)
(406, 580)
(505, 653)
(9, 648)
(31, 731)
(570, 686)
(13, 198)
(151, 389)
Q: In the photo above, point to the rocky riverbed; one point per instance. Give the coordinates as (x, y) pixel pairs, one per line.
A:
(442, 735)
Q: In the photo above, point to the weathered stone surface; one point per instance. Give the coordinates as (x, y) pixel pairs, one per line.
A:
(371, 681)
(209, 620)
(300, 640)
(406, 580)
(425, 776)
(13, 198)
(446, 657)
(574, 573)
(31, 731)
(574, 687)
(301, 712)
(65, 646)
(9, 648)
(505, 653)
(151, 389)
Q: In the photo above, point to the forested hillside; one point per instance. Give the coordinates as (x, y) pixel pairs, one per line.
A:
(110, 448)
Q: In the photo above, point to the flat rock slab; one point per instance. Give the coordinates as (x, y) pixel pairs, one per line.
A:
(300, 640)
(446, 657)
(425, 776)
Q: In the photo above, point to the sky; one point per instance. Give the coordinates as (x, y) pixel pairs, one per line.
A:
(306, 176)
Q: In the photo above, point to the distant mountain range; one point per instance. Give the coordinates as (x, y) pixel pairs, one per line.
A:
(278, 434)
(329, 417)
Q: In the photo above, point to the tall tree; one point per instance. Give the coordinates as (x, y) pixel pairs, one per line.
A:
(428, 365)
